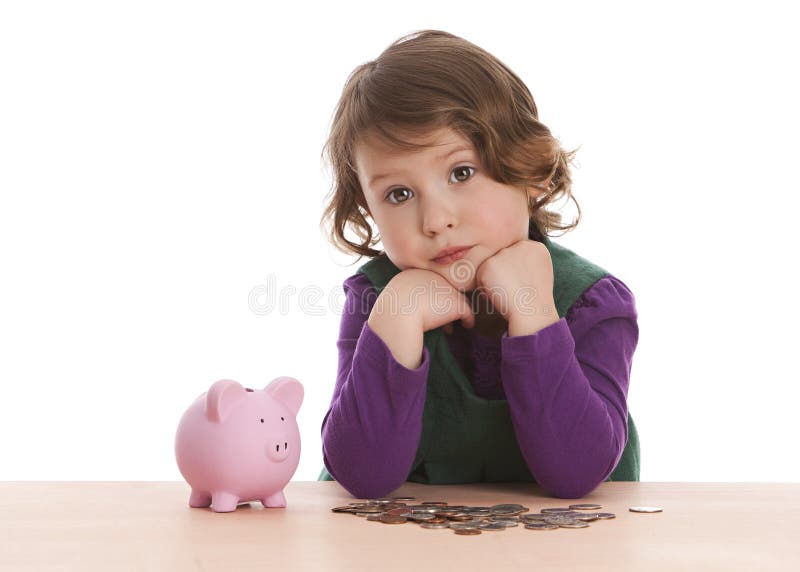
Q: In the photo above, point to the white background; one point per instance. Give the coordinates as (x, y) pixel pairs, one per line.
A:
(160, 160)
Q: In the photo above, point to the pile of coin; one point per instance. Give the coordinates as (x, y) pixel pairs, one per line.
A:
(471, 520)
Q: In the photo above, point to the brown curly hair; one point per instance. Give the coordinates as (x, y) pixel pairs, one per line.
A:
(429, 80)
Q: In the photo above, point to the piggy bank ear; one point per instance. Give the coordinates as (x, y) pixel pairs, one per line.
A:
(221, 399)
(288, 391)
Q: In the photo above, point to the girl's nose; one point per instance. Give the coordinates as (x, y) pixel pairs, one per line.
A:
(438, 216)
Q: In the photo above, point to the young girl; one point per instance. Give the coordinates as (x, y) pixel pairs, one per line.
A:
(473, 348)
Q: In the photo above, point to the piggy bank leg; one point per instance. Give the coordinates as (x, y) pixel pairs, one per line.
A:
(224, 502)
(199, 499)
(276, 500)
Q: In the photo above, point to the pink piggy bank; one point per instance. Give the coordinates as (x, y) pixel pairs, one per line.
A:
(236, 444)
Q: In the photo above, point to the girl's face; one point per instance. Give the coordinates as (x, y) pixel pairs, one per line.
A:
(437, 198)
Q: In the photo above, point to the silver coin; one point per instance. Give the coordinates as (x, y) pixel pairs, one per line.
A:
(558, 516)
(589, 517)
(492, 526)
(606, 515)
(645, 509)
(554, 510)
(504, 521)
(434, 525)
(499, 518)
(540, 526)
(475, 511)
(463, 525)
(533, 516)
(573, 524)
(424, 508)
(420, 516)
(506, 508)
(585, 506)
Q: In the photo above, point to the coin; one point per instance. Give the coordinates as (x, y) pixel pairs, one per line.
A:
(463, 525)
(424, 508)
(389, 519)
(460, 517)
(573, 524)
(471, 520)
(369, 509)
(436, 525)
(420, 516)
(492, 526)
(540, 526)
(645, 509)
(514, 519)
(585, 507)
(506, 508)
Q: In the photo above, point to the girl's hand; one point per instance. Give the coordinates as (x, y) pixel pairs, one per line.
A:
(518, 281)
(429, 298)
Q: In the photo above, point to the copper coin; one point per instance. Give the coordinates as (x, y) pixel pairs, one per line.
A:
(467, 531)
(400, 511)
(434, 503)
(433, 525)
(460, 517)
(389, 519)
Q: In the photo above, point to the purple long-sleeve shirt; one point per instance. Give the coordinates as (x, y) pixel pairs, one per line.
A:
(566, 387)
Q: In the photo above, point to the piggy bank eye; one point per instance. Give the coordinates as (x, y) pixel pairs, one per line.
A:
(262, 420)
(282, 419)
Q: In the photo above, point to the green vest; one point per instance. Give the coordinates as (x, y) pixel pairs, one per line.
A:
(469, 439)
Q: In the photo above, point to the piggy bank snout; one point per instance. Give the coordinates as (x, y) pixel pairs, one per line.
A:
(278, 447)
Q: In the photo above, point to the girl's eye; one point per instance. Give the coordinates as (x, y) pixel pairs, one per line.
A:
(459, 169)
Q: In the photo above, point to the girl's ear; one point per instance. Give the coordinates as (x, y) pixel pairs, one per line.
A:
(362, 202)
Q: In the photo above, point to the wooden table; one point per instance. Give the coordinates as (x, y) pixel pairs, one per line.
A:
(147, 526)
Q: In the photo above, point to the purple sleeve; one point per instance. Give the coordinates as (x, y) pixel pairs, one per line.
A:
(567, 388)
(372, 429)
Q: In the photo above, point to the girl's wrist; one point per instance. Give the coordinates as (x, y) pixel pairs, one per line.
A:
(527, 324)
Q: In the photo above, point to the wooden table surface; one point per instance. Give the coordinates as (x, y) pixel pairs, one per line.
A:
(147, 526)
